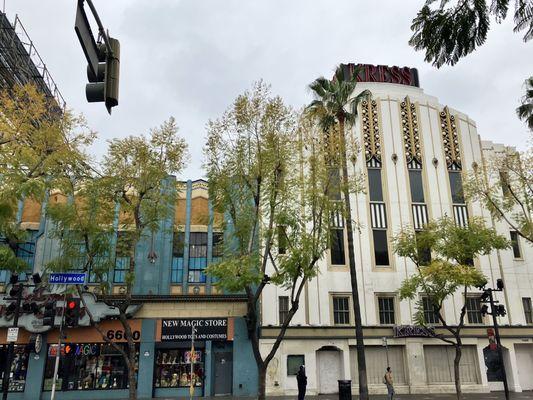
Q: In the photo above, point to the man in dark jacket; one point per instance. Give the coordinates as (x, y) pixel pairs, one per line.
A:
(302, 382)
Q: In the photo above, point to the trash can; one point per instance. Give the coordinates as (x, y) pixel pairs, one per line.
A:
(345, 389)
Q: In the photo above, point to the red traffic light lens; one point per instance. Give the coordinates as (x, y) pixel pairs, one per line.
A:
(71, 305)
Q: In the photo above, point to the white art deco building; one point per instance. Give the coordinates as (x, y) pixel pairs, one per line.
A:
(416, 153)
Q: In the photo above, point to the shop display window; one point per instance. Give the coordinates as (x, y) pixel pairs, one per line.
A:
(19, 367)
(87, 366)
(173, 368)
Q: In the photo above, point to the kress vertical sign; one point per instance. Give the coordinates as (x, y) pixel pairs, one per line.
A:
(206, 329)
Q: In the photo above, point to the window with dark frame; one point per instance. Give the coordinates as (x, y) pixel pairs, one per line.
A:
(341, 310)
(424, 252)
(386, 310)
(337, 246)
(122, 259)
(430, 315)
(375, 188)
(456, 187)
(283, 304)
(178, 249)
(197, 257)
(381, 248)
(218, 246)
(294, 361)
(515, 244)
(473, 310)
(416, 184)
(528, 311)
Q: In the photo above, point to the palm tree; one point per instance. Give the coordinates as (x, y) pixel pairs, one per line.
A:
(334, 105)
(525, 111)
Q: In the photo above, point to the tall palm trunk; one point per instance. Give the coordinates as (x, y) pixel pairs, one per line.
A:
(361, 363)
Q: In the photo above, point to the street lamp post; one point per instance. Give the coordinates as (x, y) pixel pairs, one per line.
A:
(495, 311)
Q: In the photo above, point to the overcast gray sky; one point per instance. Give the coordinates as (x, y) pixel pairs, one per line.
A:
(190, 58)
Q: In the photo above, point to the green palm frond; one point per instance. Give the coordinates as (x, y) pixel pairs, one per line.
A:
(525, 110)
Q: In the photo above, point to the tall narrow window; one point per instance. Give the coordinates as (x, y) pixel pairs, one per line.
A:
(528, 311)
(283, 308)
(218, 246)
(375, 188)
(341, 310)
(122, 256)
(417, 187)
(197, 257)
(337, 246)
(386, 310)
(456, 186)
(473, 310)
(516, 244)
(430, 315)
(178, 247)
(381, 248)
(424, 252)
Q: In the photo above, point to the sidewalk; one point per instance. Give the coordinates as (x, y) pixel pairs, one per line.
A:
(467, 396)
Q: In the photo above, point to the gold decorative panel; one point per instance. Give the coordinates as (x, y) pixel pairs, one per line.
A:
(450, 139)
(411, 135)
(371, 131)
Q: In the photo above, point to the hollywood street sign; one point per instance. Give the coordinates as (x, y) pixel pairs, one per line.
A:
(205, 329)
(66, 278)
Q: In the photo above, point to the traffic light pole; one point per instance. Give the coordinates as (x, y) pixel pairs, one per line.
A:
(10, 349)
(499, 343)
(58, 352)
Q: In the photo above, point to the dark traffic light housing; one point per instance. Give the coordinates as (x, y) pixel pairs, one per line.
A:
(49, 314)
(72, 312)
(104, 81)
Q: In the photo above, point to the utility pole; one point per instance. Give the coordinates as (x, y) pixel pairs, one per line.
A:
(494, 312)
(58, 352)
(11, 346)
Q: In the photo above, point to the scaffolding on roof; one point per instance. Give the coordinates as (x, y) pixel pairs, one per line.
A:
(21, 63)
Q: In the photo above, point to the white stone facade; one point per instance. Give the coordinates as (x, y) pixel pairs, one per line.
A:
(419, 364)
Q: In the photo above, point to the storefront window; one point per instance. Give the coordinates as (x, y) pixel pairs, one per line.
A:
(173, 368)
(19, 366)
(87, 366)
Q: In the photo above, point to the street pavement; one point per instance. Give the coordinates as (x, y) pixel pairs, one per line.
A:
(467, 396)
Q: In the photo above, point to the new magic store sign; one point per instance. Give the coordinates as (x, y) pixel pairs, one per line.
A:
(177, 329)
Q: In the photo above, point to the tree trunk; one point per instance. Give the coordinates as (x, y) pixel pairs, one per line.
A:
(261, 382)
(132, 380)
(456, 372)
(361, 362)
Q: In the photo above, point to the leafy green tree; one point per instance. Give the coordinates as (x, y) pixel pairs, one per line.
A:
(525, 110)
(135, 170)
(450, 270)
(36, 145)
(134, 178)
(267, 175)
(335, 107)
(451, 30)
(504, 184)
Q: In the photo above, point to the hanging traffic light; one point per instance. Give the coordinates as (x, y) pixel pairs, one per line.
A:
(72, 313)
(500, 310)
(49, 314)
(484, 310)
(103, 59)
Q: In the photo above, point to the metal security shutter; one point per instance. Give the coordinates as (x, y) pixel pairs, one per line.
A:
(439, 364)
(376, 364)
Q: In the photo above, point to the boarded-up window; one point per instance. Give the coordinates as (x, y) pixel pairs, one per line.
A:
(31, 211)
(376, 364)
(180, 212)
(439, 364)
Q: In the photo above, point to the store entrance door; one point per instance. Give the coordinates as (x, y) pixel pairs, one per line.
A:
(223, 373)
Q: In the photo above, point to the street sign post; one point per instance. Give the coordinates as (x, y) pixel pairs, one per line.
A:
(67, 278)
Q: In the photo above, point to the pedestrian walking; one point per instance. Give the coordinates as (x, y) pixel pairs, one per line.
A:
(302, 382)
(387, 380)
